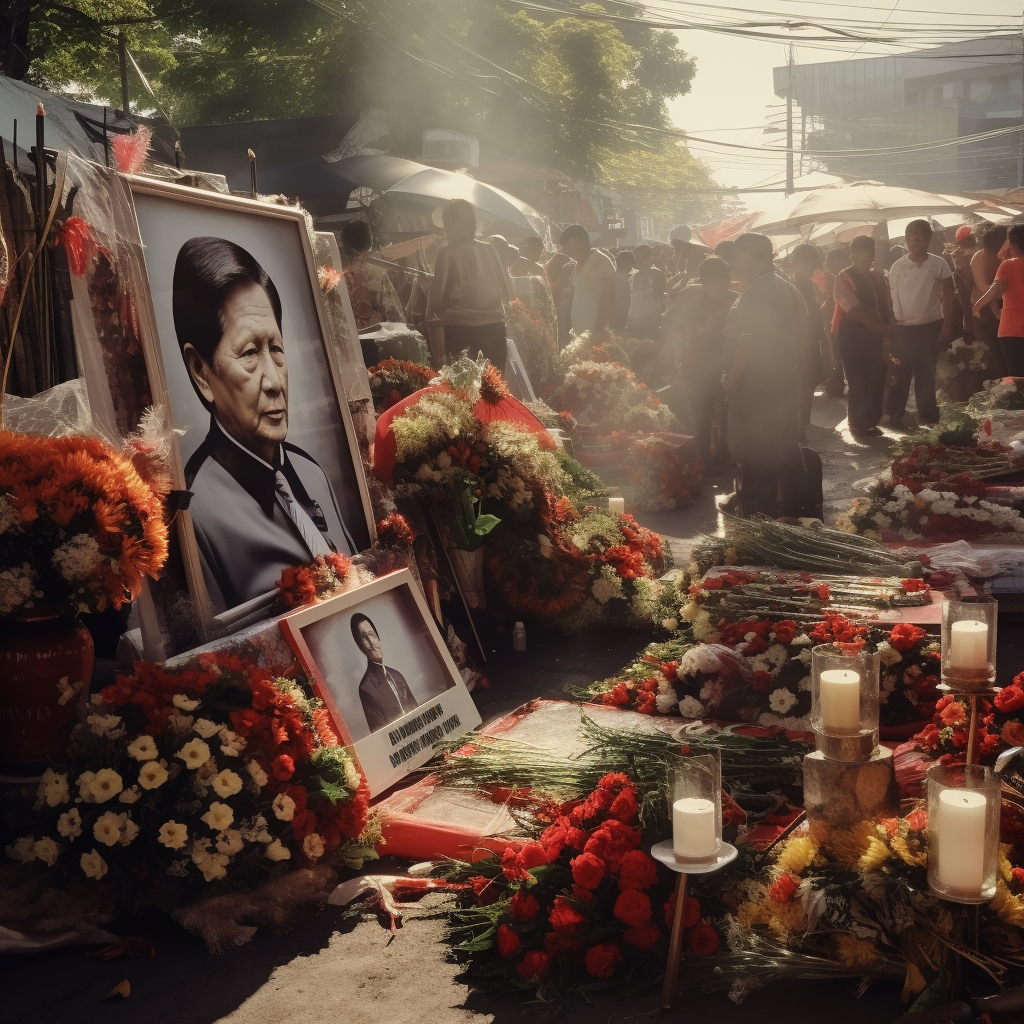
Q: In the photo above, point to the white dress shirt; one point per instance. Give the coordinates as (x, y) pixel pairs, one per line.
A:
(916, 289)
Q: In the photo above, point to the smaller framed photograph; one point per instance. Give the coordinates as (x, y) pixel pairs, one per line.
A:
(380, 666)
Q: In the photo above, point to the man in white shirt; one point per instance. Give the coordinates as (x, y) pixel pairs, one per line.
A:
(593, 303)
(921, 285)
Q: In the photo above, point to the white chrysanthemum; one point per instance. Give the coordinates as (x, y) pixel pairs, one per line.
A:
(670, 624)
(173, 835)
(603, 590)
(93, 865)
(313, 846)
(47, 851)
(259, 776)
(351, 776)
(23, 849)
(195, 753)
(53, 788)
(69, 824)
(218, 817)
(284, 807)
(888, 654)
(699, 659)
(205, 728)
(703, 628)
(17, 588)
(105, 785)
(226, 783)
(690, 707)
(781, 700)
(152, 775)
(107, 828)
(666, 702)
(143, 748)
(78, 558)
(275, 851)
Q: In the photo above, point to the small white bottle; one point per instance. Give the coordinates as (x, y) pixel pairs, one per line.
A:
(519, 637)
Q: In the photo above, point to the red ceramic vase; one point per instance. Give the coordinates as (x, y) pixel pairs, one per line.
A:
(45, 667)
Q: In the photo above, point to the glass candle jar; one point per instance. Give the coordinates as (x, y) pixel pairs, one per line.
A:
(969, 644)
(844, 701)
(695, 806)
(963, 832)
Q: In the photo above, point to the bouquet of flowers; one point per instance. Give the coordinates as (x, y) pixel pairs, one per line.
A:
(534, 341)
(1005, 393)
(581, 904)
(951, 464)
(209, 778)
(582, 350)
(79, 527)
(909, 511)
(656, 478)
(391, 380)
(607, 396)
(962, 369)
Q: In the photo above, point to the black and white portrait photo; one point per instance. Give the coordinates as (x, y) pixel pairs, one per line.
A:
(266, 449)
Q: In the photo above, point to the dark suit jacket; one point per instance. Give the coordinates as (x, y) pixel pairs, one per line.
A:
(245, 537)
(377, 692)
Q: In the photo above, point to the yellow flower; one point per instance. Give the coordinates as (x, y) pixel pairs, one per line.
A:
(875, 856)
(46, 850)
(218, 817)
(275, 851)
(69, 824)
(195, 753)
(798, 854)
(143, 748)
(173, 835)
(312, 846)
(152, 775)
(1009, 908)
(284, 807)
(93, 865)
(227, 783)
(105, 785)
(107, 828)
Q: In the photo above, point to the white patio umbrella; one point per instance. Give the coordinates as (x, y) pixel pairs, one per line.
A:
(863, 202)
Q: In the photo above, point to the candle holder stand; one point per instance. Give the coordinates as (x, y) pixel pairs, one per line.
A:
(839, 793)
(972, 696)
(665, 853)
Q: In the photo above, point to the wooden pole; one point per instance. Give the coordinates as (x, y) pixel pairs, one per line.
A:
(675, 946)
(122, 66)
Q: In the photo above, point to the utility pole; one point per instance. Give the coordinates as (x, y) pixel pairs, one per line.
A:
(122, 64)
(789, 126)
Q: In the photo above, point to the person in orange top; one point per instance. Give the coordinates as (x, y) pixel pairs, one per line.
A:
(1009, 286)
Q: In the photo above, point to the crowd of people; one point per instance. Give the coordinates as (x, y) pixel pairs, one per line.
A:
(740, 341)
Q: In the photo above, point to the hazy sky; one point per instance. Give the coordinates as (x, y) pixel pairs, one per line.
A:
(732, 94)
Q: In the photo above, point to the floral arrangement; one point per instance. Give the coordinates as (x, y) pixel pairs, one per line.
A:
(581, 905)
(395, 531)
(909, 511)
(214, 775)
(582, 350)
(499, 488)
(564, 421)
(534, 340)
(962, 369)
(607, 396)
(758, 671)
(1005, 393)
(391, 380)
(79, 527)
(953, 464)
(324, 577)
(656, 477)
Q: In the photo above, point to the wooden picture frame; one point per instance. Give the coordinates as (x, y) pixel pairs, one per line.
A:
(161, 213)
(368, 699)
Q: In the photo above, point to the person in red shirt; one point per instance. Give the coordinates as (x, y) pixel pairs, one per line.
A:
(1009, 286)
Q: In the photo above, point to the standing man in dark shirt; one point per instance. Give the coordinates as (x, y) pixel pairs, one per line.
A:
(768, 323)
(805, 263)
(695, 342)
(383, 692)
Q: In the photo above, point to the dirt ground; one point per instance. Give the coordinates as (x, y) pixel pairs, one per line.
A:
(332, 969)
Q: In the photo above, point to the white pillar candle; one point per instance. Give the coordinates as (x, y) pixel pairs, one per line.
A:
(693, 828)
(961, 834)
(839, 696)
(617, 506)
(968, 645)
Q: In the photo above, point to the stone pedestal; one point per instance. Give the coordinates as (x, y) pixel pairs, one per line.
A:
(842, 793)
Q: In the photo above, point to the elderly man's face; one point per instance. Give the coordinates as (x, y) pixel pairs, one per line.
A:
(246, 380)
(369, 642)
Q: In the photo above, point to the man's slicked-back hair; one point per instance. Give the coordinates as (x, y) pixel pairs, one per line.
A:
(206, 270)
(357, 620)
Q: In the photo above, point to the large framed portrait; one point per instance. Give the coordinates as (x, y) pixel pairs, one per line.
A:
(236, 336)
(383, 671)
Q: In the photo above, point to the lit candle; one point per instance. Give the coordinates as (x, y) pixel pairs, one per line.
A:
(961, 832)
(617, 506)
(968, 645)
(693, 828)
(839, 694)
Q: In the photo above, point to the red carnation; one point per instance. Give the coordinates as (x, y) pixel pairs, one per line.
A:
(613, 780)
(918, 820)
(556, 944)
(303, 824)
(703, 939)
(564, 918)
(785, 631)
(637, 870)
(508, 941)
(282, 767)
(486, 889)
(905, 635)
(532, 855)
(761, 681)
(783, 888)
(1009, 699)
(644, 936)
(633, 907)
(587, 870)
(601, 960)
(623, 807)
(914, 586)
(534, 965)
(523, 907)
(617, 695)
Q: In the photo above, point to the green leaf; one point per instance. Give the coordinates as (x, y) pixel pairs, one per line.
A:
(484, 524)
